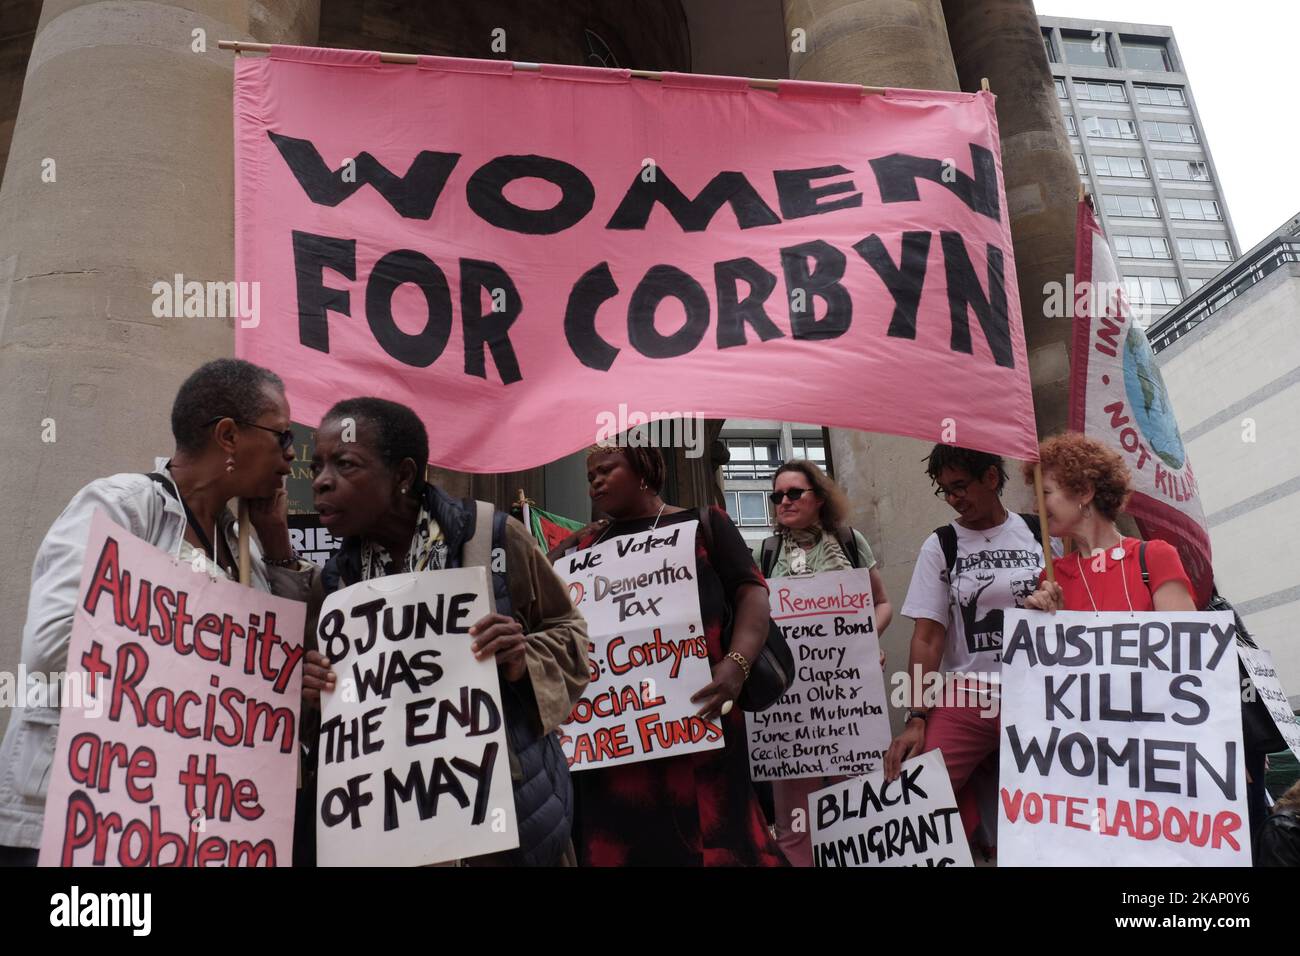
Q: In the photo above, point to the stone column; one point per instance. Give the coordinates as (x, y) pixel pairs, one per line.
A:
(131, 127)
(902, 43)
(874, 42)
(17, 32)
(1001, 40)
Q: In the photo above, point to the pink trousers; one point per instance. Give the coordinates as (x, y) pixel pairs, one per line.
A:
(966, 739)
(790, 801)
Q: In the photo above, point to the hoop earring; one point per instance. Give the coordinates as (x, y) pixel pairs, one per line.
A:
(643, 485)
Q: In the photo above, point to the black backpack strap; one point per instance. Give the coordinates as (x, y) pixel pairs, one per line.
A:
(947, 536)
(849, 545)
(1035, 525)
(1142, 563)
(767, 557)
(706, 528)
(1220, 603)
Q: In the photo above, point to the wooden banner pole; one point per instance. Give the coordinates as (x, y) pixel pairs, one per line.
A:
(245, 562)
(1042, 519)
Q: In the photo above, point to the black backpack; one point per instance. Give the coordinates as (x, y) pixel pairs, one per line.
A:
(947, 536)
(772, 547)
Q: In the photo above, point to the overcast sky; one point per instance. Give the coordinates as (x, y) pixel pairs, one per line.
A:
(1241, 61)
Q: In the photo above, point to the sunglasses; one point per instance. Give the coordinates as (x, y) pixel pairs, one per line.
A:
(794, 494)
(285, 437)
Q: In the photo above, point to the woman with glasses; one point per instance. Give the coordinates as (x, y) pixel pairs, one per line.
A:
(967, 574)
(812, 537)
(369, 485)
(230, 421)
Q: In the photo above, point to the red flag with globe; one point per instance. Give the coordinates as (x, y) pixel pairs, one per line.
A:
(1117, 396)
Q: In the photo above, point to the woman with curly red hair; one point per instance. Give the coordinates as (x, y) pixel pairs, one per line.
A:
(1086, 486)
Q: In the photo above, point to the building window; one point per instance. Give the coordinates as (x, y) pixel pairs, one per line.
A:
(1069, 125)
(1153, 290)
(1083, 50)
(747, 508)
(1096, 90)
(1188, 170)
(751, 458)
(1060, 88)
(813, 449)
(1127, 167)
(1131, 207)
(1171, 132)
(1208, 250)
(1047, 45)
(1142, 247)
(1107, 127)
(1204, 210)
(1081, 164)
(1152, 55)
(1159, 95)
(1193, 283)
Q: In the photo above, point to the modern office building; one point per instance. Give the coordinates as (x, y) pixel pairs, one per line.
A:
(1230, 359)
(1141, 150)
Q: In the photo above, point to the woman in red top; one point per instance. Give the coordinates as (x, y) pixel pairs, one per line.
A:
(1086, 486)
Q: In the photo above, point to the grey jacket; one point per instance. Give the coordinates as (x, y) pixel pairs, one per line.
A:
(140, 505)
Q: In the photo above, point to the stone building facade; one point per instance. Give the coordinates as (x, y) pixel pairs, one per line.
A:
(129, 103)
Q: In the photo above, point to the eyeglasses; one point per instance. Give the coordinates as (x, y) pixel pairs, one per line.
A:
(957, 489)
(794, 494)
(286, 436)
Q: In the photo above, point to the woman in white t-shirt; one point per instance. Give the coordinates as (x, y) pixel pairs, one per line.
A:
(967, 574)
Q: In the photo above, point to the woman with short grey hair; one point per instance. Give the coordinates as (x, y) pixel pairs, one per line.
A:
(230, 422)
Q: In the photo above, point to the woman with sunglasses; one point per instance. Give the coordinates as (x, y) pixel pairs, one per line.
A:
(811, 538)
(230, 421)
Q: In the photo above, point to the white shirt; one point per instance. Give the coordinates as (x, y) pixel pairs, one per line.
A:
(141, 506)
(996, 569)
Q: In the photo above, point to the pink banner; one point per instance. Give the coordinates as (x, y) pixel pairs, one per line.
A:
(178, 737)
(517, 254)
(1118, 396)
